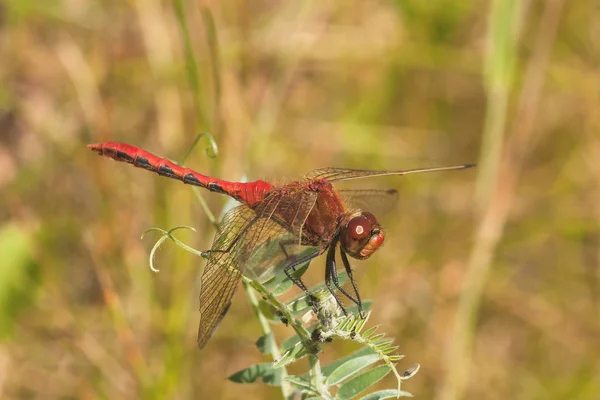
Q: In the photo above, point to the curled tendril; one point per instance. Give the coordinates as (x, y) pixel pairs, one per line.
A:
(169, 235)
(211, 150)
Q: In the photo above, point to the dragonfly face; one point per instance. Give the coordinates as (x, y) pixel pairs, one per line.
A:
(362, 236)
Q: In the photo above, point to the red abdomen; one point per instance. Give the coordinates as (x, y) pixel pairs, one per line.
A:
(248, 192)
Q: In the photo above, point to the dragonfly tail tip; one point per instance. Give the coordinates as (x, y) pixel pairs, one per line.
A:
(97, 147)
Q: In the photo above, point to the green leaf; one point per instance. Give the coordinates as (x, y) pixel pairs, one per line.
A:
(291, 355)
(396, 357)
(329, 368)
(290, 342)
(265, 343)
(301, 382)
(384, 343)
(18, 275)
(377, 337)
(268, 311)
(350, 368)
(386, 394)
(362, 382)
(345, 324)
(370, 331)
(269, 375)
(360, 325)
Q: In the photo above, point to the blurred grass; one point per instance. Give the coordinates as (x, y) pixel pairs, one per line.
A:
(503, 34)
(285, 88)
(17, 277)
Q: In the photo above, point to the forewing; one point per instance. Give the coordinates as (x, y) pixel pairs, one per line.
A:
(342, 174)
(376, 201)
(222, 271)
(248, 242)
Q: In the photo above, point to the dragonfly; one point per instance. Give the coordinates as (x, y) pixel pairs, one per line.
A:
(279, 227)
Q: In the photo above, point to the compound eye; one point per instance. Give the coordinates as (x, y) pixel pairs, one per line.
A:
(370, 217)
(359, 227)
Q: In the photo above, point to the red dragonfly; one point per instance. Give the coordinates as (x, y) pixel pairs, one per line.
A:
(277, 227)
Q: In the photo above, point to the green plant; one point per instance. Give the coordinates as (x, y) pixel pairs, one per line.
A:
(350, 375)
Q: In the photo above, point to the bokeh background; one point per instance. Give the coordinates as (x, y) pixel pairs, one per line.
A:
(490, 278)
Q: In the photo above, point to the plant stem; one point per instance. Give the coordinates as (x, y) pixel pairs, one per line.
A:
(285, 312)
(317, 378)
(286, 387)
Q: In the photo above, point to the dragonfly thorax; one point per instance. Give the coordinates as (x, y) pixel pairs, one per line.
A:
(361, 236)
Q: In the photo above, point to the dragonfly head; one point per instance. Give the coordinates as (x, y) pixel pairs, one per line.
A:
(362, 236)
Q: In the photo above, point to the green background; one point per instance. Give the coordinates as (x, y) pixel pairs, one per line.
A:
(489, 278)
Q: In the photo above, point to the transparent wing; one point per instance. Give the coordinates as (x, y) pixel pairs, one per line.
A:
(248, 241)
(343, 174)
(376, 201)
(222, 271)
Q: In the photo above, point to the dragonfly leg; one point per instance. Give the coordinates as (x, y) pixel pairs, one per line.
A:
(349, 272)
(298, 282)
(331, 274)
(288, 269)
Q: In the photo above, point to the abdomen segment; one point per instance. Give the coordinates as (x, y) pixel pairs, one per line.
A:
(249, 193)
